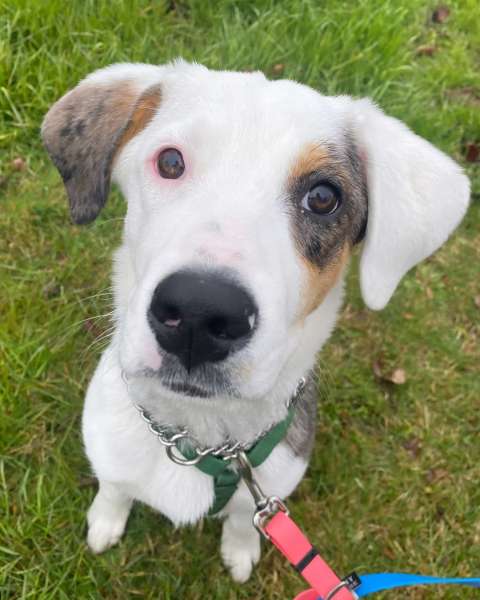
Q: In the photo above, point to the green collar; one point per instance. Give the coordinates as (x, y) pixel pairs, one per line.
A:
(226, 480)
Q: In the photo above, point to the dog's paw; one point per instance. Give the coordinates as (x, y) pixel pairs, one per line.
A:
(106, 525)
(240, 552)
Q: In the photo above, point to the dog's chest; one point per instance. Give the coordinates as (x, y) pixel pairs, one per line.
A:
(123, 451)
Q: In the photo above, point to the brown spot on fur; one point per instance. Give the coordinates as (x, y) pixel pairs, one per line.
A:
(319, 281)
(142, 114)
(313, 158)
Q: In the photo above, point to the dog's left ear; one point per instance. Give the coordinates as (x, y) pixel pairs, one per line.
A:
(416, 197)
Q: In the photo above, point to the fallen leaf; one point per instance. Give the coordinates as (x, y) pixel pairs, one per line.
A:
(18, 164)
(413, 446)
(389, 553)
(441, 14)
(398, 377)
(434, 475)
(477, 301)
(429, 293)
(408, 316)
(278, 69)
(472, 152)
(426, 50)
(377, 368)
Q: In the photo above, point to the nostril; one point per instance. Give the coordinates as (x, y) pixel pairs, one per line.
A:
(230, 328)
(218, 327)
(168, 314)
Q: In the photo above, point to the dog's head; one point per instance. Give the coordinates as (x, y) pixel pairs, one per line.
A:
(245, 199)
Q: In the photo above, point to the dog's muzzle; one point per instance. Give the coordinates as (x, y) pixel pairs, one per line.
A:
(201, 317)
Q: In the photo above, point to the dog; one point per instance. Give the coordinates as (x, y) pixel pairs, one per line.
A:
(245, 199)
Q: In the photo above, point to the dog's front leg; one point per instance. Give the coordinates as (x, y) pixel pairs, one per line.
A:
(107, 517)
(240, 540)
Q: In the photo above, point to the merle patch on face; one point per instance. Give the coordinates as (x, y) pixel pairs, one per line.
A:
(320, 238)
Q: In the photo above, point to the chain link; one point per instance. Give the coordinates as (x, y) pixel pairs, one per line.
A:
(170, 437)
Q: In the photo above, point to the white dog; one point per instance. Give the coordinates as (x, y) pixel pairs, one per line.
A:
(245, 198)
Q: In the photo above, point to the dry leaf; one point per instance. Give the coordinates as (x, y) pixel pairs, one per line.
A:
(377, 368)
(434, 475)
(477, 301)
(413, 446)
(441, 14)
(408, 316)
(429, 293)
(398, 377)
(18, 164)
(278, 69)
(389, 553)
(472, 152)
(426, 50)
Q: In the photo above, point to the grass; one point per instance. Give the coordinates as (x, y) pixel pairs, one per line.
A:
(393, 483)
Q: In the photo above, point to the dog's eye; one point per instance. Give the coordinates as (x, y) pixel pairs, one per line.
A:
(170, 163)
(322, 199)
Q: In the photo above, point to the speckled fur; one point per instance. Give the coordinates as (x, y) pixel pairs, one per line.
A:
(84, 131)
(301, 433)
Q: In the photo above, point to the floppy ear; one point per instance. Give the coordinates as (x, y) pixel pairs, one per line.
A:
(416, 197)
(84, 130)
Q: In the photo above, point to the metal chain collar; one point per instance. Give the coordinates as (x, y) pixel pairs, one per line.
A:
(170, 437)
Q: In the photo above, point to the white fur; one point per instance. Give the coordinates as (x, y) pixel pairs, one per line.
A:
(239, 135)
(417, 196)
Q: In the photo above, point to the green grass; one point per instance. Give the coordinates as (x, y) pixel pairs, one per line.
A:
(393, 483)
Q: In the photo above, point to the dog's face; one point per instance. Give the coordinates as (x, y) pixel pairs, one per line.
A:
(245, 200)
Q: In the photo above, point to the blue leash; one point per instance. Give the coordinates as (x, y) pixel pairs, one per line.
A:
(377, 582)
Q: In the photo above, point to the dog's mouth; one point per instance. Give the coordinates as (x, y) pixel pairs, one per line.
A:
(207, 381)
(186, 389)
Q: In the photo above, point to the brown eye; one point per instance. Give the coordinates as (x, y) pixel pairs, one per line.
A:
(322, 199)
(170, 163)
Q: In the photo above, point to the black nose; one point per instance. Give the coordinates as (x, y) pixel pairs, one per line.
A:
(201, 317)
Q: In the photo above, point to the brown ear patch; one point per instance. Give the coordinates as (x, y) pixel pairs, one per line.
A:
(319, 281)
(84, 131)
(143, 112)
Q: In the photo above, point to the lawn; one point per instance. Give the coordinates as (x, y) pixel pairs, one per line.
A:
(394, 480)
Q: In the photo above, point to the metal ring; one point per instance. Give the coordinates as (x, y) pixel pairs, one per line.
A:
(173, 440)
(336, 589)
(184, 462)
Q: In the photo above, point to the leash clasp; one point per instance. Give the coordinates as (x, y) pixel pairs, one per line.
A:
(351, 582)
(262, 515)
(266, 506)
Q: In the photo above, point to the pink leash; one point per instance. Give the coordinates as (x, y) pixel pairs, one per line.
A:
(273, 522)
(294, 545)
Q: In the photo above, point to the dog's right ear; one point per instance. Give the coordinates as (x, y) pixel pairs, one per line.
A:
(85, 129)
